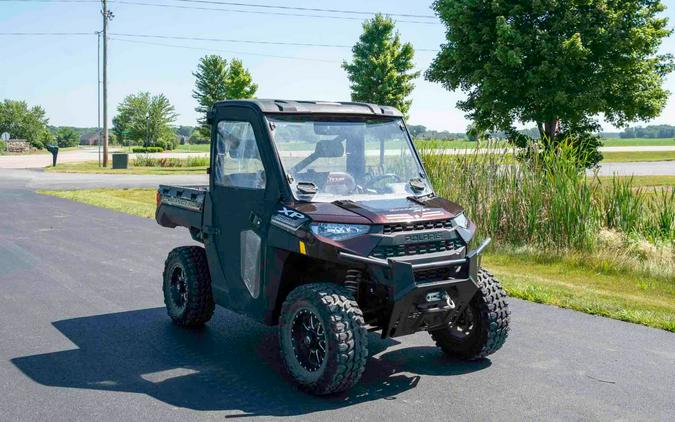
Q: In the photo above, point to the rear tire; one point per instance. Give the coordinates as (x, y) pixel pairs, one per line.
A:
(483, 327)
(187, 287)
(324, 344)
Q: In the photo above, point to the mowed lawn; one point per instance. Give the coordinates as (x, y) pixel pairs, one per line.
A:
(554, 280)
(92, 167)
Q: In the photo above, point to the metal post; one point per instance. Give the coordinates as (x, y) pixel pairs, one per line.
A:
(105, 83)
(98, 97)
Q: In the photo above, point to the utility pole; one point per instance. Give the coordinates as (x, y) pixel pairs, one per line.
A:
(106, 16)
(98, 96)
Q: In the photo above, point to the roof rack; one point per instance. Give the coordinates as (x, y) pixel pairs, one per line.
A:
(314, 107)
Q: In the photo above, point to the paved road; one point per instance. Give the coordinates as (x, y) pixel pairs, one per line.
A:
(646, 168)
(38, 179)
(84, 337)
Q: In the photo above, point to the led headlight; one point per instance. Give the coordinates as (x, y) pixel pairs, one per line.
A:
(461, 221)
(336, 231)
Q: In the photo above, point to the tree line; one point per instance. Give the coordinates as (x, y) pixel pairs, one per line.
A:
(557, 65)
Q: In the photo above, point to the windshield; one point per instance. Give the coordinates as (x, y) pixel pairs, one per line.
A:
(356, 158)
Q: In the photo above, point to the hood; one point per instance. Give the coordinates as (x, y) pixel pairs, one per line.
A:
(381, 211)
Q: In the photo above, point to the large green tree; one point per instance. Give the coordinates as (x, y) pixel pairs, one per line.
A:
(216, 80)
(67, 137)
(381, 67)
(557, 63)
(23, 122)
(145, 118)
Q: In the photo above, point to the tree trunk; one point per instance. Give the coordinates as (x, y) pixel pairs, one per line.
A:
(540, 126)
(551, 129)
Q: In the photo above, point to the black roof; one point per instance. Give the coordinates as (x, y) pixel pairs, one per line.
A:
(318, 107)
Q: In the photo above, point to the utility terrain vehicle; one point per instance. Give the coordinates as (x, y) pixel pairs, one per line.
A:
(319, 217)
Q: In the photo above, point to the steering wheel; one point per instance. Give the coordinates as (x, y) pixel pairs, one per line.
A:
(370, 184)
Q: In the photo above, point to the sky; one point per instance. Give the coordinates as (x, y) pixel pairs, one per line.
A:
(60, 72)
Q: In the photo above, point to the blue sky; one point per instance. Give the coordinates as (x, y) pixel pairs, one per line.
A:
(59, 73)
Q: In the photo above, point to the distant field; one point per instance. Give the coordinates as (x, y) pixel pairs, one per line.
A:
(193, 148)
(632, 142)
(638, 156)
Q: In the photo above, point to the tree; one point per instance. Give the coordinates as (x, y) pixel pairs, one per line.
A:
(22, 122)
(239, 81)
(145, 118)
(381, 70)
(557, 63)
(67, 137)
(218, 81)
(416, 130)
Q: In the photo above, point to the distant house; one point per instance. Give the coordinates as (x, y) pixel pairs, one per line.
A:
(89, 139)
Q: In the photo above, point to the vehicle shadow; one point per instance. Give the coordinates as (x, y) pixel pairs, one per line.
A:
(232, 364)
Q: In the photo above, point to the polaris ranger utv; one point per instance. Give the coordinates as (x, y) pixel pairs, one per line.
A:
(319, 218)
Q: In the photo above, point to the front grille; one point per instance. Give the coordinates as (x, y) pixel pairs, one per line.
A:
(434, 274)
(416, 248)
(414, 226)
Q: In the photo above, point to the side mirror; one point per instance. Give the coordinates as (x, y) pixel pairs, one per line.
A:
(329, 148)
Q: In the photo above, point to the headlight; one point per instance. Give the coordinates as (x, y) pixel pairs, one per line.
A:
(461, 221)
(335, 231)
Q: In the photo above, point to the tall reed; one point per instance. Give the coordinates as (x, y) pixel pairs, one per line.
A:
(547, 201)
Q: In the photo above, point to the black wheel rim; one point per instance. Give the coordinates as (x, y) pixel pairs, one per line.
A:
(308, 338)
(178, 287)
(463, 328)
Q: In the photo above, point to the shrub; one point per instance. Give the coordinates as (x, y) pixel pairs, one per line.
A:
(147, 161)
(140, 150)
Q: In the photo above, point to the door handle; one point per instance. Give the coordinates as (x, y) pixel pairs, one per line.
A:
(255, 220)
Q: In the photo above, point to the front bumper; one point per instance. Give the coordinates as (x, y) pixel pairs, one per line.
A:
(425, 305)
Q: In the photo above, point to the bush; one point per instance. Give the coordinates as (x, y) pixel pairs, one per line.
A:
(141, 150)
(147, 161)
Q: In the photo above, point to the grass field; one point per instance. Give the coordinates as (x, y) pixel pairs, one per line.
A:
(590, 284)
(570, 283)
(140, 202)
(92, 167)
(644, 181)
(635, 142)
(627, 156)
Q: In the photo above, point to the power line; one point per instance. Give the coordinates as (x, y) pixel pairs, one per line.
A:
(308, 9)
(296, 44)
(48, 33)
(256, 12)
(224, 51)
(220, 9)
(186, 38)
(257, 5)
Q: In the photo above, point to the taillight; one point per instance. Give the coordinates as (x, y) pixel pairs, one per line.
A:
(158, 198)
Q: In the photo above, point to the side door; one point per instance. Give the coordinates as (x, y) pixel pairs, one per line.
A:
(241, 211)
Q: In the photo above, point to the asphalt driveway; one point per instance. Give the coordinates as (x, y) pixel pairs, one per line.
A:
(84, 336)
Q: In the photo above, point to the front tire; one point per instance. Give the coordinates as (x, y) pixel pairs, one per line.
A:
(482, 328)
(187, 287)
(324, 344)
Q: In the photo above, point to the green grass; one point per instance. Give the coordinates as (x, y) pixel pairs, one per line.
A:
(638, 156)
(92, 167)
(644, 181)
(140, 202)
(193, 148)
(634, 142)
(576, 284)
